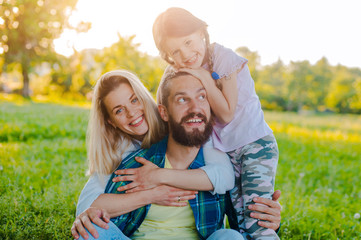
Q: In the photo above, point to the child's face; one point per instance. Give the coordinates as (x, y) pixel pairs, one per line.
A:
(188, 51)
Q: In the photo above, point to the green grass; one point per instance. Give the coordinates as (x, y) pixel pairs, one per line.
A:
(318, 173)
(43, 164)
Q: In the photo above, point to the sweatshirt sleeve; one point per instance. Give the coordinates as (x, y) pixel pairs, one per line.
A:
(96, 184)
(219, 169)
(91, 191)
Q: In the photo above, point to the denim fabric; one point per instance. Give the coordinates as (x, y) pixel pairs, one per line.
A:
(226, 234)
(112, 233)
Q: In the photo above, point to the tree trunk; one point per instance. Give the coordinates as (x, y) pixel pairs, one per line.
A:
(25, 72)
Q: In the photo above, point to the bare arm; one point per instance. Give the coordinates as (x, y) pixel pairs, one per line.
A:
(119, 204)
(195, 179)
(149, 176)
(223, 102)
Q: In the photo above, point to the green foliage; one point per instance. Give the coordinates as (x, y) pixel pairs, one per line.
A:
(43, 164)
(298, 86)
(28, 32)
(271, 86)
(76, 75)
(344, 93)
(301, 86)
(253, 61)
(124, 55)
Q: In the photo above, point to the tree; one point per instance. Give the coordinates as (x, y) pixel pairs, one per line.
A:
(253, 61)
(125, 55)
(28, 28)
(344, 94)
(73, 76)
(322, 73)
(271, 86)
(299, 84)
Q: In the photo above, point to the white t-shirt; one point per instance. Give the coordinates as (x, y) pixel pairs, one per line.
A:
(248, 124)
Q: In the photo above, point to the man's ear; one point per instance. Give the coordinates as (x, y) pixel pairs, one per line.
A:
(163, 112)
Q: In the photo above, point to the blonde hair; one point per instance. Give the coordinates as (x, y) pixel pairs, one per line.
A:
(178, 22)
(106, 144)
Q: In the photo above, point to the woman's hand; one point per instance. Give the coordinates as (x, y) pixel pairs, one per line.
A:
(84, 221)
(141, 178)
(170, 196)
(269, 211)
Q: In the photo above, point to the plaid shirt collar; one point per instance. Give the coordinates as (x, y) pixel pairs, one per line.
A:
(156, 154)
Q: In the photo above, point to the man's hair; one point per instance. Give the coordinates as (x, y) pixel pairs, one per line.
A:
(165, 84)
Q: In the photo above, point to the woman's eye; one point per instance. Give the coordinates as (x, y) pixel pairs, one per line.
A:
(135, 100)
(120, 110)
(202, 97)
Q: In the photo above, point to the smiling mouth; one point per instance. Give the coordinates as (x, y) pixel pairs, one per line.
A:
(194, 120)
(192, 60)
(137, 122)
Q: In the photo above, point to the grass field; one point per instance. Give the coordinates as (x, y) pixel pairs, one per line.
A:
(43, 165)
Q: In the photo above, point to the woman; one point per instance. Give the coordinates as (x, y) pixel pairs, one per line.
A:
(123, 118)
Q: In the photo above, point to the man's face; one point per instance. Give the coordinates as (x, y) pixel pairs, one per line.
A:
(188, 111)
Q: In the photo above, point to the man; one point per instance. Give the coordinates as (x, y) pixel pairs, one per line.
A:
(187, 111)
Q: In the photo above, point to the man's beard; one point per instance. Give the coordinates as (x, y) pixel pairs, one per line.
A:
(195, 138)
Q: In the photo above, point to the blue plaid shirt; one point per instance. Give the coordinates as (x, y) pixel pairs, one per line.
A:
(208, 209)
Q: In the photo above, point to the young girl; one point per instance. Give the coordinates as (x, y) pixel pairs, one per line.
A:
(240, 128)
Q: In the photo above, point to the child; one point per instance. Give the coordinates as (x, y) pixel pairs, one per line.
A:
(240, 128)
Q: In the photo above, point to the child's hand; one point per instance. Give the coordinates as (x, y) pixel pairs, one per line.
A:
(202, 74)
(141, 178)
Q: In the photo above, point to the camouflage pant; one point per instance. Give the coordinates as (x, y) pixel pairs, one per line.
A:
(255, 167)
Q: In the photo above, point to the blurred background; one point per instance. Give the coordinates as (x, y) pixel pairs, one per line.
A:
(304, 57)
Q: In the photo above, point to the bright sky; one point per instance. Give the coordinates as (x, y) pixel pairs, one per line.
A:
(287, 29)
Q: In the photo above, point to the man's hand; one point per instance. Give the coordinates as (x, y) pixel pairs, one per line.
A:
(84, 221)
(269, 211)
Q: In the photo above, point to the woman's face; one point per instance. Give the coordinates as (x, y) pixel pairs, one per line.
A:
(126, 111)
(188, 51)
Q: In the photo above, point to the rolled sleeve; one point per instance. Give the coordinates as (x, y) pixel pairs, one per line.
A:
(91, 191)
(219, 170)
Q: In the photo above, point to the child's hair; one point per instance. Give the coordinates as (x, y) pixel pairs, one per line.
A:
(106, 144)
(178, 22)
